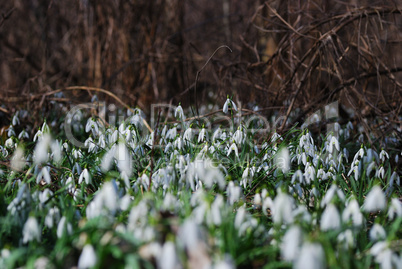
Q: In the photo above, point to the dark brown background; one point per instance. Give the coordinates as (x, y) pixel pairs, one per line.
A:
(285, 54)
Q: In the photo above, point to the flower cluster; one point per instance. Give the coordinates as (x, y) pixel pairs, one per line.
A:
(192, 195)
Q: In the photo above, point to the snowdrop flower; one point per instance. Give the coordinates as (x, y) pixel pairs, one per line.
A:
(352, 213)
(257, 200)
(309, 173)
(306, 141)
(370, 168)
(77, 154)
(302, 158)
(380, 172)
(113, 137)
(108, 159)
(179, 113)
(233, 147)
(240, 216)
(192, 239)
(44, 175)
(56, 151)
(346, 238)
(44, 196)
(124, 161)
(330, 194)
(31, 231)
(45, 128)
(238, 136)
(333, 143)
(136, 120)
(150, 140)
(394, 177)
(330, 218)
(355, 169)
(168, 258)
(395, 209)
(216, 207)
(38, 136)
(291, 243)
(233, 192)
(77, 194)
(217, 134)
(9, 143)
(358, 154)
(53, 215)
(17, 161)
(178, 143)
(70, 185)
(85, 176)
(171, 133)
(15, 120)
(375, 200)
(227, 104)
(385, 256)
(275, 137)
(311, 256)
(77, 168)
(144, 181)
(23, 134)
(209, 174)
(247, 177)
(125, 202)
(105, 202)
(92, 125)
(41, 149)
(87, 258)
(282, 160)
(90, 144)
(227, 263)
(203, 135)
(383, 155)
(370, 156)
(282, 208)
(188, 135)
(377, 232)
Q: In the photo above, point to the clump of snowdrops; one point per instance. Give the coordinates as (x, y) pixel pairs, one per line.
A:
(187, 195)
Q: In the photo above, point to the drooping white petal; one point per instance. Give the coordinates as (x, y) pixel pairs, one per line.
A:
(375, 200)
(87, 258)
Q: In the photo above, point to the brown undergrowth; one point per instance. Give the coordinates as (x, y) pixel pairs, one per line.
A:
(297, 56)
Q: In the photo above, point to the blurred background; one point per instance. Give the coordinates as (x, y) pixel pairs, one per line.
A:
(284, 55)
